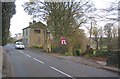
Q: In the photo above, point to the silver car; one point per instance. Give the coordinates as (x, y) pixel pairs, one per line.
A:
(19, 45)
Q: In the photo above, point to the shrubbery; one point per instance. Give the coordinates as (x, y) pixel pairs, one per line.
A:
(100, 53)
(68, 54)
(77, 52)
(59, 49)
(112, 56)
(56, 49)
(38, 46)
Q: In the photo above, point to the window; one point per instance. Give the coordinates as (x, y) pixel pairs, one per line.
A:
(19, 43)
(37, 31)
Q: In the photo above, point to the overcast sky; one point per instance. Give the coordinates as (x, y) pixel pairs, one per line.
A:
(21, 20)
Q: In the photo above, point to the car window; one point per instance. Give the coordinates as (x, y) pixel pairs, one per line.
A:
(19, 43)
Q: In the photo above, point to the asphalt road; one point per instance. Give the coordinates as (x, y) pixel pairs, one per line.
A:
(33, 63)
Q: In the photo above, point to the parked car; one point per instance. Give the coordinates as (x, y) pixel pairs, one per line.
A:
(19, 45)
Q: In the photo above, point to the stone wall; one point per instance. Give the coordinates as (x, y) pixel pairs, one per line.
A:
(36, 38)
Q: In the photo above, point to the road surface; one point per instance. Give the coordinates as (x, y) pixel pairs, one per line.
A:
(33, 63)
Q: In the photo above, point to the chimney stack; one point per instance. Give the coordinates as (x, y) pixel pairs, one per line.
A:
(30, 23)
(34, 21)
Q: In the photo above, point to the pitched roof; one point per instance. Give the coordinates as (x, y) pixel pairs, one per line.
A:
(36, 25)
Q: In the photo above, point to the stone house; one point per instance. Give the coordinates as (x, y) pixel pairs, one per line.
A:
(34, 34)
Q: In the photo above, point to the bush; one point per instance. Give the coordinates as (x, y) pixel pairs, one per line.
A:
(38, 46)
(100, 53)
(56, 50)
(35, 46)
(112, 58)
(77, 52)
(59, 49)
(68, 54)
(41, 46)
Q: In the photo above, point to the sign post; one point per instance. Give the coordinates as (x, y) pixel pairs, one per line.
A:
(63, 42)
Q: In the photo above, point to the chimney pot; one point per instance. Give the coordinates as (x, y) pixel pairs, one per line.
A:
(30, 23)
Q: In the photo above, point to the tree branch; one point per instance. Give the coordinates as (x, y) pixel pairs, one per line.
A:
(75, 29)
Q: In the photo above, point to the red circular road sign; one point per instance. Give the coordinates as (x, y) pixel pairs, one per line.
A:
(63, 40)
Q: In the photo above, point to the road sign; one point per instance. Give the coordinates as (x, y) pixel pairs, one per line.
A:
(63, 40)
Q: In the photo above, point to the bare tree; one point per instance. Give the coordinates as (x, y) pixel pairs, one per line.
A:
(101, 34)
(95, 34)
(108, 33)
(114, 32)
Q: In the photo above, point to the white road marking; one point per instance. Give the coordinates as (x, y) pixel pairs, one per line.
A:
(50, 67)
(38, 60)
(21, 52)
(27, 55)
(62, 72)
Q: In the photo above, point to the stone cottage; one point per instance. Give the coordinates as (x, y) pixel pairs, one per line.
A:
(34, 34)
